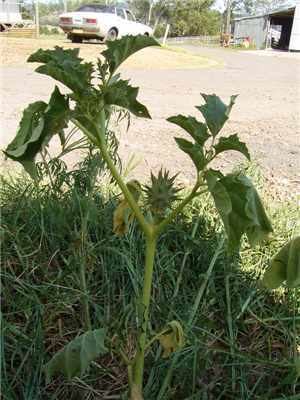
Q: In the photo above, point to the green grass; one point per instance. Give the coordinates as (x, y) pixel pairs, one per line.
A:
(240, 344)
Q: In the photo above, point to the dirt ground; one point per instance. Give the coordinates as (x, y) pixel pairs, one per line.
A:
(266, 115)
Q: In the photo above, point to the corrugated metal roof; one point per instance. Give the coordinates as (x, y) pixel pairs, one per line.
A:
(291, 5)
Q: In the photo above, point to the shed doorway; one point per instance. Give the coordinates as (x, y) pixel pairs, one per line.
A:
(280, 29)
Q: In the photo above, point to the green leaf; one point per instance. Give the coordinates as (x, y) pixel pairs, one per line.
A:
(285, 266)
(57, 113)
(121, 94)
(76, 356)
(221, 197)
(231, 142)
(194, 150)
(196, 129)
(38, 124)
(119, 50)
(215, 112)
(65, 66)
(240, 208)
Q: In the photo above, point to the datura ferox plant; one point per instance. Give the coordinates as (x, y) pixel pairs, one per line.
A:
(94, 92)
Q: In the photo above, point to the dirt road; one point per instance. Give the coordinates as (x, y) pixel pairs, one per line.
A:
(267, 113)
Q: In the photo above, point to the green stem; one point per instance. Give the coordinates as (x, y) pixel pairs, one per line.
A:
(138, 371)
(146, 227)
(101, 143)
(85, 300)
(180, 207)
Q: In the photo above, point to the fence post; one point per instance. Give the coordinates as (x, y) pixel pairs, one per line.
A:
(37, 19)
(166, 34)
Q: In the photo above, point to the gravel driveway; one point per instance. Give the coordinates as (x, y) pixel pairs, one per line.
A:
(266, 115)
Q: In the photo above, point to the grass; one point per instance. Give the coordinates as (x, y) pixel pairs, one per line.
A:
(239, 345)
(17, 51)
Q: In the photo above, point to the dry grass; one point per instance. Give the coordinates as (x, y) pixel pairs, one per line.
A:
(15, 51)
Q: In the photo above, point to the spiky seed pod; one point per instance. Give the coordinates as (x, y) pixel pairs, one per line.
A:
(161, 193)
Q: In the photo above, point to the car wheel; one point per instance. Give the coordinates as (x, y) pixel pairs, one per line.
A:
(76, 39)
(112, 34)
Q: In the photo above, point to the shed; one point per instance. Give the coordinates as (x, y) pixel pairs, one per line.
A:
(279, 28)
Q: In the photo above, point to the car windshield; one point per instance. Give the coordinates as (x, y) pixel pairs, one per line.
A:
(96, 8)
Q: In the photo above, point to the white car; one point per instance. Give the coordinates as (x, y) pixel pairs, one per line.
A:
(95, 21)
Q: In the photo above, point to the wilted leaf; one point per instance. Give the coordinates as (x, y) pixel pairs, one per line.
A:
(240, 208)
(173, 339)
(232, 143)
(196, 129)
(194, 150)
(215, 112)
(76, 356)
(220, 195)
(38, 124)
(57, 113)
(285, 266)
(275, 275)
(120, 93)
(65, 66)
(123, 214)
(119, 50)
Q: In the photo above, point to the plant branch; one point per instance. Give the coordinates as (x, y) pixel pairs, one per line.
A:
(85, 131)
(101, 144)
(180, 207)
(156, 337)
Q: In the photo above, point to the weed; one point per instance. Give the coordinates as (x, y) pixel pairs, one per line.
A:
(235, 198)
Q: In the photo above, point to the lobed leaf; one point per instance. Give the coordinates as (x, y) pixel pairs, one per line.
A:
(38, 124)
(215, 112)
(194, 150)
(285, 266)
(121, 94)
(240, 208)
(196, 129)
(76, 356)
(119, 50)
(65, 66)
(231, 142)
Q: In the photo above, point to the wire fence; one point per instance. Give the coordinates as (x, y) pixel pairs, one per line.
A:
(204, 39)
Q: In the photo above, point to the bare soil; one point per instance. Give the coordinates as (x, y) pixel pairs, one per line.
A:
(266, 115)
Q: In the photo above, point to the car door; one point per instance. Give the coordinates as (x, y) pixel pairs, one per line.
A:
(132, 26)
(122, 22)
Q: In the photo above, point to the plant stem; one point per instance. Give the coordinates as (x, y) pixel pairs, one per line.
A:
(85, 301)
(138, 371)
(180, 207)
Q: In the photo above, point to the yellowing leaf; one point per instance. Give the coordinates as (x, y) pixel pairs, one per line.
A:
(173, 339)
(123, 214)
(134, 187)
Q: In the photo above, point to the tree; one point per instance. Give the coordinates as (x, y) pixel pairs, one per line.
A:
(186, 17)
(194, 17)
(255, 6)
